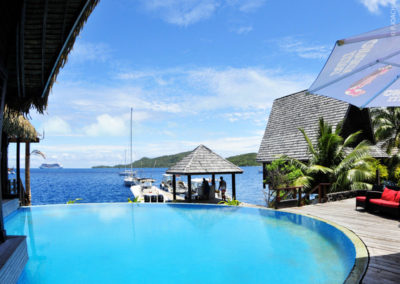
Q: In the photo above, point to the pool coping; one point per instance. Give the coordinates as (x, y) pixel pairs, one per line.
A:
(362, 255)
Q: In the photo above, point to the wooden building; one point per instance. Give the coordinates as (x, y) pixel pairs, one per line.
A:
(203, 161)
(303, 110)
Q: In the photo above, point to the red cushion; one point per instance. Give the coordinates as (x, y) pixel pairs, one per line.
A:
(391, 204)
(397, 199)
(362, 198)
(389, 194)
(376, 201)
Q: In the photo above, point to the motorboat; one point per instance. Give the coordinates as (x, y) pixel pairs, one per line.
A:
(145, 191)
(131, 179)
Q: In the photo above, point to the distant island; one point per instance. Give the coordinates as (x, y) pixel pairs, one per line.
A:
(242, 160)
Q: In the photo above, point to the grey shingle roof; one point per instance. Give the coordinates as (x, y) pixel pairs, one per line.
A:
(301, 110)
(204, 161)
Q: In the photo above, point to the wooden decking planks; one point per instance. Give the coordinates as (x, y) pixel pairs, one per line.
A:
(381, 235)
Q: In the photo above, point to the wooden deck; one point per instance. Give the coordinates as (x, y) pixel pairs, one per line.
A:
(381, 235)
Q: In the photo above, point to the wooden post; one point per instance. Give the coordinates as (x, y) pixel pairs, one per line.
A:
(378, 177)
(189, 179)
(20, 193)
(319, 194)
(174, 186)
(27, 173)
(233, 187)
(213, 180)
(299, 196)
(264, 176)
(3, 97)
(277, 198)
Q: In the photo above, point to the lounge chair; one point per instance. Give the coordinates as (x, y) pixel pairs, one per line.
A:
(387, 201)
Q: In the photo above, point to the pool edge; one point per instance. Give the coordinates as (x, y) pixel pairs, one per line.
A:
(362, 255)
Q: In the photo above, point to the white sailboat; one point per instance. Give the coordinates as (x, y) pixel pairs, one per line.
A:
(131, 178)
(126, 172)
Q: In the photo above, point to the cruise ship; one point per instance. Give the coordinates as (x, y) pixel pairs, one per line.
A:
(51, 166)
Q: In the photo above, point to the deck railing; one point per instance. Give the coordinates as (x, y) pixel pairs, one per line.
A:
(294, 196)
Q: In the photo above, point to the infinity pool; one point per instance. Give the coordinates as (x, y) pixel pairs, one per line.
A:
(143, 243)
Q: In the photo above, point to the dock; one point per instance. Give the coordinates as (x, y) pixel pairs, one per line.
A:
(380, 233)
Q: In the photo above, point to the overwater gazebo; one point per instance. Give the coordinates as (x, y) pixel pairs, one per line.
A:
(203, 161)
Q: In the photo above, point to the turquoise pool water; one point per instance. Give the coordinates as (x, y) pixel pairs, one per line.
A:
(144, 243)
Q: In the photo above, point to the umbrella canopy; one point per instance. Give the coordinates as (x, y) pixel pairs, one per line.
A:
(363, 70)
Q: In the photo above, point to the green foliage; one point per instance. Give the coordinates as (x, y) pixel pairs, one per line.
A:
(170, 160)
(135, 200)
(244, 160)
(280, 173)
(386, 122)
(232, 202)
(383, 170)
(335, 160)
(74, 201)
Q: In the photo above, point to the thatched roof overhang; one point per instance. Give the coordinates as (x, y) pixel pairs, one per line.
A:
(37, 36)
(202, 161)
(303, 110)
(18, 128)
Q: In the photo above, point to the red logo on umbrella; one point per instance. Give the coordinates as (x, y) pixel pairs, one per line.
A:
(356, 90)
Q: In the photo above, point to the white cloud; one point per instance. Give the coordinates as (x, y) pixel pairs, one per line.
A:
(302, 49)
(87, 51)
(374, 5)
(187, 12)
(244, 30)
(107, 125)
(56, 126)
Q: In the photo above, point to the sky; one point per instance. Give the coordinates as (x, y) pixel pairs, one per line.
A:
(194, 72)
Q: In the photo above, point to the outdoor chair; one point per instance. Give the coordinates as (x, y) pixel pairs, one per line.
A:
(160, 198)
(387, 201)
(362, 196)
(154, 198)
(146, 198)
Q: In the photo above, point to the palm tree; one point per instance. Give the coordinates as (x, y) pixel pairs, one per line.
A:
(334, 161)
(386, 122)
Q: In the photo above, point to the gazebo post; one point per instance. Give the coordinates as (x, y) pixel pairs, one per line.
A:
(264, 171)
(189, 178)
(233, 187)
(174, 186)
(213, 180)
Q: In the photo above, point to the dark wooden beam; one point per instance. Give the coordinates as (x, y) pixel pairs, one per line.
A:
(174, 186)
(3, 97)
(213, 180)
(27, 174)
(44, 26)
(233, 187)
(22, 48)
(189, 178)
(18, 169)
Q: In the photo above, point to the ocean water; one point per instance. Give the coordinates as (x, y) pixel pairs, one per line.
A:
(57, 186)
(178, 243)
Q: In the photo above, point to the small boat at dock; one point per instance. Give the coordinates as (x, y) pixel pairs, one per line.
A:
(145, 191)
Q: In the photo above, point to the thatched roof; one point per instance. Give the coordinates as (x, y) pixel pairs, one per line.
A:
(38, 35)
(303, 110)
(18, 127)
(204, 161)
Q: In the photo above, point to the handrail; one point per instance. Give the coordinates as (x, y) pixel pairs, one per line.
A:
(296, 190)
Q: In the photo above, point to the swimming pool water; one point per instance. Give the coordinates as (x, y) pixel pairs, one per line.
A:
(171, 243)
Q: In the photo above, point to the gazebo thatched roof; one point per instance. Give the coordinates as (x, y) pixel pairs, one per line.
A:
(204, 161)
(303, 110)
(18, 127)
(35, 39)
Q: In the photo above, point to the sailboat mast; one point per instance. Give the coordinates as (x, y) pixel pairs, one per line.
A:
(131, 138)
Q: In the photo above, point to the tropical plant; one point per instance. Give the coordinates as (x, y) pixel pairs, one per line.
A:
(334, 160)
(280, 173)
(386, 122)
(232, 202)
(135, 200)
(74, 201)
